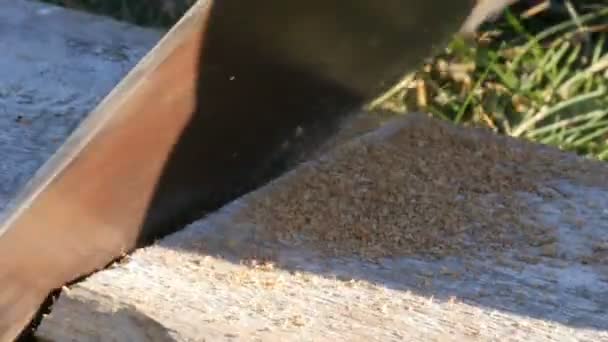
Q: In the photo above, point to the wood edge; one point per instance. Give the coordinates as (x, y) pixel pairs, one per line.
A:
(91, 306)
(84, 301)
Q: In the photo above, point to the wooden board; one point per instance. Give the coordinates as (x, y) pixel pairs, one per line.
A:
(227, 100)
(200, 284)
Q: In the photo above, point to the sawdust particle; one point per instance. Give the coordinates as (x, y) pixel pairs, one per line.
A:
(549, 250)
(428, 189)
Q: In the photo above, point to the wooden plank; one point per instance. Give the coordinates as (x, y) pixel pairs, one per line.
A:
(55, 67)
(200, 283)
(210, 113)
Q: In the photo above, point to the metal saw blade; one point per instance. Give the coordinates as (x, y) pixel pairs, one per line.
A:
(226, 101)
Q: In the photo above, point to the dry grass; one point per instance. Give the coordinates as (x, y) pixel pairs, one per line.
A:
(534, 74)
(537, 73)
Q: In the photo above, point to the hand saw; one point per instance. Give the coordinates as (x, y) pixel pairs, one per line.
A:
(226, 101)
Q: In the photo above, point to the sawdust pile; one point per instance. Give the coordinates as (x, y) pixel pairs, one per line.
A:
(426, 188)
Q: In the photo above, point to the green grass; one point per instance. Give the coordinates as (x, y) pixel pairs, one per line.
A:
(543, 78)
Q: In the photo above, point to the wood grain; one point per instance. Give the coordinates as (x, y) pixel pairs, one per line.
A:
(214, 111)
(200, 284)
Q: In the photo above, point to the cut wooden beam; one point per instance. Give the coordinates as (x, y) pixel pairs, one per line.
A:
(228, 278)
(230, 98)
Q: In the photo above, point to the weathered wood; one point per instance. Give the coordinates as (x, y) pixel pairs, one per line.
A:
(194, 285)
(210, 113)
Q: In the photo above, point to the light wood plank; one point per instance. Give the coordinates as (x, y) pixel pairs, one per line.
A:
(195, 286)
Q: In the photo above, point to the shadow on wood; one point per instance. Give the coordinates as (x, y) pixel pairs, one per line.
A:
(233, 96)
(263, 267)
(276, 83)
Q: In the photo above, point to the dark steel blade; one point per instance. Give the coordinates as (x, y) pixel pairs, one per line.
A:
(234, 94)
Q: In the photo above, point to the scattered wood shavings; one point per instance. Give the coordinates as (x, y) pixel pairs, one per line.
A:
(425, 187)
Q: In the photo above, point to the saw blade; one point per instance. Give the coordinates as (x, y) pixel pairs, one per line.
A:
(229, 99)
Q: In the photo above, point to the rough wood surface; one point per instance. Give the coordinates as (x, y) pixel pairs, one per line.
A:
(219, 279)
